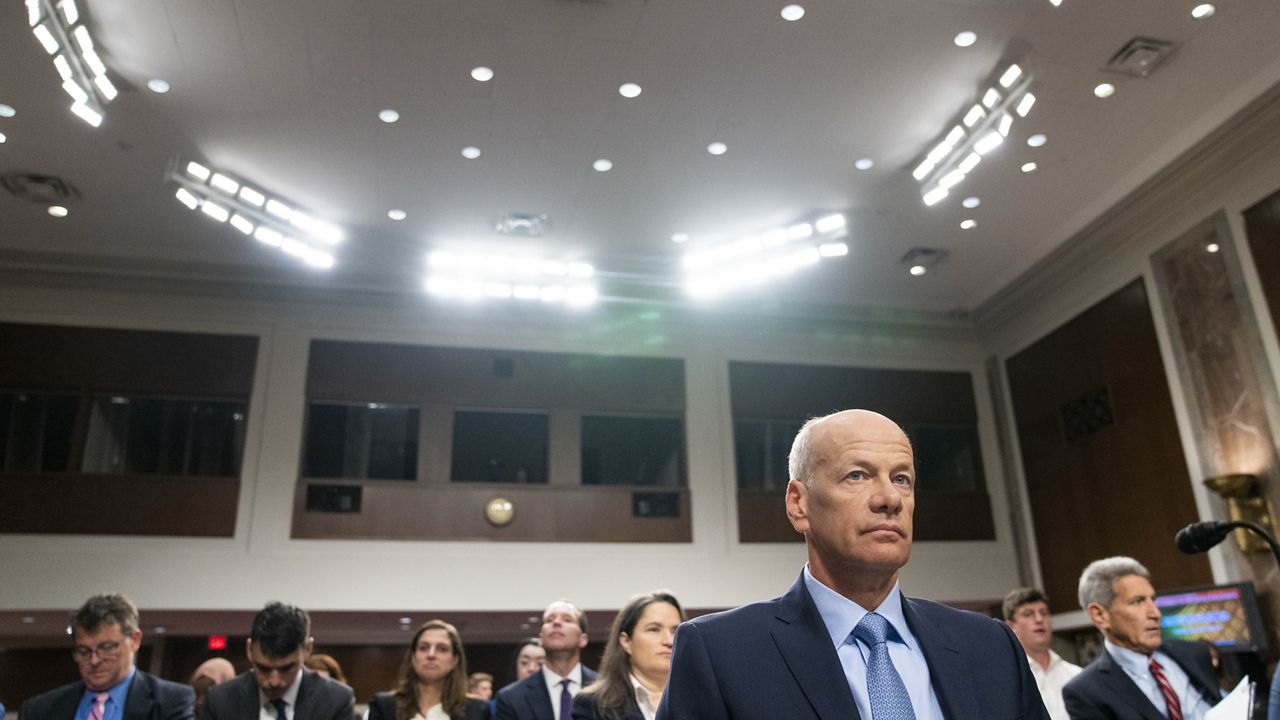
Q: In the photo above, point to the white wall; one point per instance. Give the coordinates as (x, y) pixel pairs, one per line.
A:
(261, 562)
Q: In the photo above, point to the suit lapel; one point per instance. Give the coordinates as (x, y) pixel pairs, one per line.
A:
(306, 695)
(68, 703)
(139, 701)
(947, 665)
(1118, 682)
(802, 639)
(538, 697)
(250, 705)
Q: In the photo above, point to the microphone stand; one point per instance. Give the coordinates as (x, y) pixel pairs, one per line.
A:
(1257, 530)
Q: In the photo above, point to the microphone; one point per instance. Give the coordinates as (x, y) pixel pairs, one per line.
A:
(1200, 537)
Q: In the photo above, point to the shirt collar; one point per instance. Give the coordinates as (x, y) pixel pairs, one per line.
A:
(553, 680)
(1132, 662)
(841, 615)
(643, 699)
(118, 692)
(290, 696)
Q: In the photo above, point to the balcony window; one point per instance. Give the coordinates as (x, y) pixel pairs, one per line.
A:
(369, 441)
(36, 431)
(164, 436)
(499, 447)
(632, 451)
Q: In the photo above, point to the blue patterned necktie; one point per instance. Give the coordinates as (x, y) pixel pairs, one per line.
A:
(885, 692)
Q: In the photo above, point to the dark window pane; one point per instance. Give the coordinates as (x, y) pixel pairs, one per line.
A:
(150, 436)
(948, 459)
(761, 448)
(499, 447)
(35, 431)
(374, 441)
(632, 451)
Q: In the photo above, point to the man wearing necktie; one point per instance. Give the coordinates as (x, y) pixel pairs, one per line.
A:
(844, 642)
(548, 694)
(107, 635)
(1138, 675)
(278, 686)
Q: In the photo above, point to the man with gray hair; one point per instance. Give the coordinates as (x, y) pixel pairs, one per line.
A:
(107, 636)
(1138, 675)
(844, 641)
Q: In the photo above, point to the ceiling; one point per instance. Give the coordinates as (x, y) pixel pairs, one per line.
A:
(286, 95)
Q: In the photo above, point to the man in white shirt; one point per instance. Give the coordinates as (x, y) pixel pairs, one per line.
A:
(548, 694)
(1139, 675)
(1026, 610)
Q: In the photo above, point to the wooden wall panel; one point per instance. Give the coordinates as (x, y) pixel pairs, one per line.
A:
(1124, 489)
(762, 518)
(1262, 224)
(119, 505)
(442, 511)
(56, 357)
(466, 377)
(908, 396)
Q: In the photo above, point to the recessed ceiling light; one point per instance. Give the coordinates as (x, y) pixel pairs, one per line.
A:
(680, 238)
(482, 73)
(966, 38)
(1037, 140)
(1203, 11)
(864, 163)
(158, 85)
(7, 110)
(792, 13)
(1105, 90)
(1029, 167)
(405, 620)
(918, 270)
(602, 165)
(471, 152)
(628, 90)
(57, 211)
(968, 224)
(28, 620)
(388, 115)
(2, 138)
(1212, 247)
(972, 202)
(717, 148)
(160, 630)
(397, 214)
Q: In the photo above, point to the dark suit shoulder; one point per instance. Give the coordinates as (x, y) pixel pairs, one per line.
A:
(50, 705)
(732, 621)
(159, 699)
(475, 709)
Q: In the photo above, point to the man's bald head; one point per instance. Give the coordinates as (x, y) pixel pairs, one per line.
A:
(806, 451)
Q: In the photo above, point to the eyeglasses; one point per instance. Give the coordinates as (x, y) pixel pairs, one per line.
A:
(106, 651)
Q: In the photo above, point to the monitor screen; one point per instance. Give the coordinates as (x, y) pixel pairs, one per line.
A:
(1225, 615)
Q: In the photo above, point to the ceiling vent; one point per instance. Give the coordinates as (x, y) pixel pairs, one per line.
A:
(42, 189)
(523, 225)
(923, 256)
(1140, 57)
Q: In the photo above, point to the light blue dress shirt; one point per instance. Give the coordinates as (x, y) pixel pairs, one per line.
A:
(841, 615)
(114, 709)
(1136, 666)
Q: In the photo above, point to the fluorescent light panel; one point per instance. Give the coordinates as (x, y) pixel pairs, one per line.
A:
(983, 128)
(494, 275)
(251, 212)
(57, 26)
(752, 260)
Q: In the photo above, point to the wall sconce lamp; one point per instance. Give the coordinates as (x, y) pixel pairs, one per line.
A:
(1245, 503)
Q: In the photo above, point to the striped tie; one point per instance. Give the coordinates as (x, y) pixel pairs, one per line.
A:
(99, 708)
(1170, 699)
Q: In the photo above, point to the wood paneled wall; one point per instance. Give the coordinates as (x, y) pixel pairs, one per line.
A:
(1122, 489)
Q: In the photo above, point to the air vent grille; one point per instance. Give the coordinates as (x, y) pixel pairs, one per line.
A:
(1140, 57)
(39, 188)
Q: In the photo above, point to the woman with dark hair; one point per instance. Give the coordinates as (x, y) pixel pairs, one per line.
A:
(637, 660)
(433, 680)
(529, 658)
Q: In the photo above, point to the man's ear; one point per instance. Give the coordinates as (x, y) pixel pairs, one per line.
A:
(306, 649)
(135, 639)
(798, 506)
(582, 641)
(248, 649)
(1098, 615)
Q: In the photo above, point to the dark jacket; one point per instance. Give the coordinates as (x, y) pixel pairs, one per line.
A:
(1103, 690)
(149, 698)
(584, 708)
(527, 699)
(319, 698)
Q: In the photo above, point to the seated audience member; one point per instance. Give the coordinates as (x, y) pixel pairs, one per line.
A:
(637, 660)
(433, 680)
(1138, 675)
(480, 685)
(1026, 610)
(549, 692)
(210, 673)
(278, 687)
(529, 658)
(325, 666)
(106, 634)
